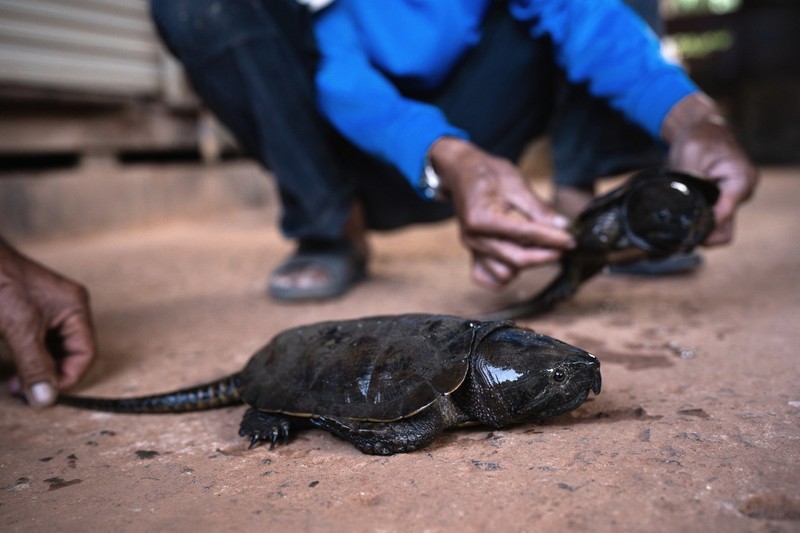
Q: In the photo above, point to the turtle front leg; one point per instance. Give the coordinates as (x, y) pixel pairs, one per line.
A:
(261, 427)
(400, 436)
(381, 438)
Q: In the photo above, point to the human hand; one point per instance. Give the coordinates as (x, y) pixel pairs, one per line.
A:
(46, 321)
(504, 225)
(701, 143)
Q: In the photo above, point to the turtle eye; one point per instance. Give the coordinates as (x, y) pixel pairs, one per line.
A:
(559, 375)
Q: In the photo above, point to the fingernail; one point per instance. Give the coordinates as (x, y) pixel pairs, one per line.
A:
(560, 222)
(42, 394)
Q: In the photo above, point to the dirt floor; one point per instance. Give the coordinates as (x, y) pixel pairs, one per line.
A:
(697, 427)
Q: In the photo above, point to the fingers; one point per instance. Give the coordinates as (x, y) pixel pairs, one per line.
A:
(516, 257)
(545, 232)
(79, 347)
(724, 211)
(523, 200)
(35, 301)
(504, 207)
(23, 328)
(707, 148)
(736, 179)
(504, 224)
(503, 244)
(39, 375)
(497, 262)
(722, 234)
(490, 273)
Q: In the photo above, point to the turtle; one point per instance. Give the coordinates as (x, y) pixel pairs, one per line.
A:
(388, 384)
(656, 213)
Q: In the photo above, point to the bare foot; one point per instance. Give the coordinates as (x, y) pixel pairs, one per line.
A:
(305, 277)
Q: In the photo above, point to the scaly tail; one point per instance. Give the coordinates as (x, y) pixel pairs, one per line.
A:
(220, 393)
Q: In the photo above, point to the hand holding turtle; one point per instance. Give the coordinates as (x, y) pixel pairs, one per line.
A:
(701, 143)
(46, 321)
(504, 225)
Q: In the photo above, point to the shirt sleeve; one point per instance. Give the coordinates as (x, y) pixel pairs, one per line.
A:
(366, 107)
(605, 44)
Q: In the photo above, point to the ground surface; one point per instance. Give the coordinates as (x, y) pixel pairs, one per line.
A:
(697, 427)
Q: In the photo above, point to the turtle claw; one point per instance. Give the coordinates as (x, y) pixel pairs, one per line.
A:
(263, 427)
(273, 437)
(285, 427)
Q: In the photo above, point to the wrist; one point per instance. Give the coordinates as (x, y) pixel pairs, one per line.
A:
(443, 157)
(688, 112)
(430, 182)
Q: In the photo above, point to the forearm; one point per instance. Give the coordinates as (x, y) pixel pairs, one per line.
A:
(607, 46)
(366, 107)
(688, 112)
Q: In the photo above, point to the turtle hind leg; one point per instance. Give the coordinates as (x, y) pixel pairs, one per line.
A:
(399, 436)
(261, 427)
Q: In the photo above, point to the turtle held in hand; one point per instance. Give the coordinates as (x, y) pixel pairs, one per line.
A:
(654, 214)
(389, 384)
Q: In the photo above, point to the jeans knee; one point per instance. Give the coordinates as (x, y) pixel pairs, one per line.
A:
(194, 29)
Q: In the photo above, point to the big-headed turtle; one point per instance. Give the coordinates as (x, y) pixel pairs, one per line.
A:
(389, 384)
(654, 214)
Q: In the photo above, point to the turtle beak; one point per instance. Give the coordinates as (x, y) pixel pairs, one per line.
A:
(597, 381)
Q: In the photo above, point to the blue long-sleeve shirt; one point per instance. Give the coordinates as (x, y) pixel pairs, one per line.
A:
(368, 45)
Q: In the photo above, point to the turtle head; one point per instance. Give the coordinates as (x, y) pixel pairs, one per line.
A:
(518, 374)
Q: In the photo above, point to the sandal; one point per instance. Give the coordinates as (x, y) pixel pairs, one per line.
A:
(342, 265)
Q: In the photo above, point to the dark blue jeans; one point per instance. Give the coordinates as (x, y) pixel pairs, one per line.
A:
(252, 62)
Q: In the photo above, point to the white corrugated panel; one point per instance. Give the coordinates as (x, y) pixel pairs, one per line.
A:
(95, 46)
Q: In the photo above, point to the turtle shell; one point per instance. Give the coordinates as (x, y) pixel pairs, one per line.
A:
(656, 209)
(380, 368)
(669, 211)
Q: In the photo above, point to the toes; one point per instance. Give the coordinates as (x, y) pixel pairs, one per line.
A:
(279, 432)
(262, 427)
(274, 432)
(258, 436)
(285, 431)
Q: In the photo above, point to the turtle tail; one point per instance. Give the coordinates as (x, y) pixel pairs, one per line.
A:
(220, 393)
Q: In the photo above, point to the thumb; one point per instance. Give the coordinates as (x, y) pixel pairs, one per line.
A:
(557, 219)
(528, 202)
(35, 367)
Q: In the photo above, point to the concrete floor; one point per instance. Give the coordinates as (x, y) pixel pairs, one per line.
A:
(697, 427)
